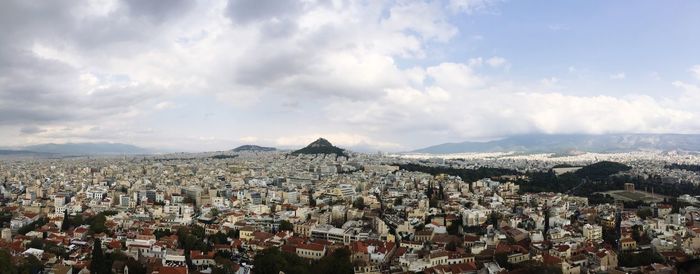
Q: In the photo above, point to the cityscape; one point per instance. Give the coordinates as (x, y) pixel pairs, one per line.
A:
(321, 208)
(349, 137)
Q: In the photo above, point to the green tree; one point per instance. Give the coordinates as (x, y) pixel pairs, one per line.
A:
(359, 203)
(234, 234)
(502, 260)
(634, 259)
(97, 261)
(135, 267)
(30, 264)
(644, 213)
(198, 231)
(312, 201)
(494, 218)
(219, 238)
(269, 261)
(65, 224)
(286, 226)
(6, 264)
(338, 263)
(433, 202)
(36, 243)
(453, 245)
(97, 225)
(32, 226)
(224, 265)
(453, 228)
(160, 233)
(272, 261)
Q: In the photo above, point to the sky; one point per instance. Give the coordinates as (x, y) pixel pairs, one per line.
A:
(200, 75)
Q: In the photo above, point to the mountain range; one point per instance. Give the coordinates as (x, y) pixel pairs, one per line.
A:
(253, 148)
(75, 149)
(574, 143)
(536, 143)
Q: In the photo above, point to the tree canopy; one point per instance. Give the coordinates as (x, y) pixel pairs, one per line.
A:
(272, 261)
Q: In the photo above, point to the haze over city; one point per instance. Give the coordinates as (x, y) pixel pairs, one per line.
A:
(371, 75)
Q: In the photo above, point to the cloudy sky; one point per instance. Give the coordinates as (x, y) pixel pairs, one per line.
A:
(388, 75)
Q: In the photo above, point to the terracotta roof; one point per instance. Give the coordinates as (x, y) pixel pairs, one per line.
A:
(358, 247)
(401, 250)
(260, 235)
(289, 248)
(172, 270)
(550, 260)
(602, 254)
(628, 240)
(246, 228)
(312, 246)
(115, 244)
(441, 253)
(455, 268)
(295, 240)
(198, 255)
(471, 238)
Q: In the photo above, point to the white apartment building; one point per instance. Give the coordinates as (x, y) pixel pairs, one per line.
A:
(592, 232)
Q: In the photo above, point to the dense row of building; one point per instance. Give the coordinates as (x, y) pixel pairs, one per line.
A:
(390, 220)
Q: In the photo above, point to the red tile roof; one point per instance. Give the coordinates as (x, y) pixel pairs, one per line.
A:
(172, 270)
(312, 246)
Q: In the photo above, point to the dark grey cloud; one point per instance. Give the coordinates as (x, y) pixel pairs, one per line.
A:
(246, 11)
(42, 90)
(158, 10)
(272, 66)
(37, 90)
(30, 130)
(62, 23)
(30, 89)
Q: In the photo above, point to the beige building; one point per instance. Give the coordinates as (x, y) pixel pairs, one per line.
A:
(246, 233)
(628, 244)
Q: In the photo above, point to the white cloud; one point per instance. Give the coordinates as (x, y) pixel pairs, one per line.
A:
(471, 6)
(453, 76)
(618, 76)
(550, 82)
(344, 140)
(249, 139)
(695, 70)
(164, 105)
(362, 74)
(497, 62)
(494, 109)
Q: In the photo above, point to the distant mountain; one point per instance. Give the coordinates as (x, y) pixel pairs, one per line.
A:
(253, 148)
(10, 152)
(574, 142)
(87, 149)
(321, 146)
